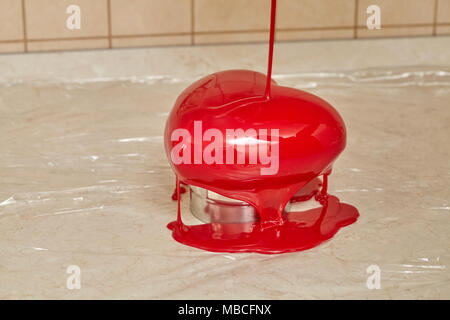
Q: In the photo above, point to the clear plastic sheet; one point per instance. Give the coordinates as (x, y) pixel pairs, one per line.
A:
(85, 181)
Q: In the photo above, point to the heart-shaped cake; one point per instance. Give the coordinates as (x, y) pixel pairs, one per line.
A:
(240, 135)
(310, 134)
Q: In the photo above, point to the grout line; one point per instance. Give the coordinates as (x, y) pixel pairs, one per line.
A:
(355, 20)
(108, 9)
(278, 29)
(412, 25)
(11, 41)
(212, 33)
(435, 14)
(150, 35)
(68, 39)
(24, 26)
(192, 22)
(44, 51)
(311, 29)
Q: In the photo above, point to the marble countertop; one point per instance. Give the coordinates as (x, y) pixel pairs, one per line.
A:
(289, 58)
(85, 184)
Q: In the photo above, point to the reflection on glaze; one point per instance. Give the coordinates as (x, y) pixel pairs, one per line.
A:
(311, 136)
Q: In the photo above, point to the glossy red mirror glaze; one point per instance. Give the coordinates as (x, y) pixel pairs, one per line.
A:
(310, 136)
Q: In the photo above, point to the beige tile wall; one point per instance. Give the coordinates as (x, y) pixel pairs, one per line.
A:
(40, 25)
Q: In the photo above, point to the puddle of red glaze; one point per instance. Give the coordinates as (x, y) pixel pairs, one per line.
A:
(300, 231)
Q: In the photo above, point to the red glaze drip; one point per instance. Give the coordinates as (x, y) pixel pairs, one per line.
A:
(174, 194)
(273, 15)
(311, 136)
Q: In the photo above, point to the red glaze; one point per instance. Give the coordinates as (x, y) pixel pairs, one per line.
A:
(299, 232)
(175, 195)
(311, 136)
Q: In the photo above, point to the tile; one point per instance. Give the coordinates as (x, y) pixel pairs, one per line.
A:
(443, 15)
(8, 47)
(406, 31)
(442, 30)
(130, 42)
(325, 34)
(313, 13)
(70, 44)
(136, 17)
(399, 12)
(237, 37)
(11, 25)
(226, 15)
(46, 19)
